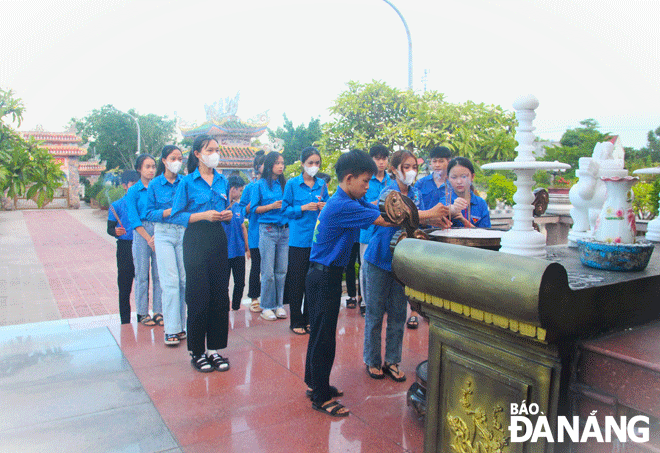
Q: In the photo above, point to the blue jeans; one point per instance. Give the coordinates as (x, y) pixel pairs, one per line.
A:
(274, 251)
(142, 257)
(383, 295)
(172, 275)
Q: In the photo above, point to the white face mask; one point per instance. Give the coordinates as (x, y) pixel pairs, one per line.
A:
(408, 179)
(210, 160)
(174, 166)
(311, 171)
(437, 174)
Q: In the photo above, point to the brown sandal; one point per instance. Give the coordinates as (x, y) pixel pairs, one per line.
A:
(146, 320)
(158, 319)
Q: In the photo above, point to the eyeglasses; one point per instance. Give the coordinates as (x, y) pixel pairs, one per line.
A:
(456, 178)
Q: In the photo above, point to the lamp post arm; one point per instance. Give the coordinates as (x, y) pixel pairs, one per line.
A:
(410, 75)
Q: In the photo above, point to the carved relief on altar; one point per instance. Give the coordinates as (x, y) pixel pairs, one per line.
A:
(475, 397)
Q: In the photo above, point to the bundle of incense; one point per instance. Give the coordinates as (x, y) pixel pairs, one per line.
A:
(107, 195)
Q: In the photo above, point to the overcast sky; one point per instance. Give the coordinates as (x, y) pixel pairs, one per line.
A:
(582, 59)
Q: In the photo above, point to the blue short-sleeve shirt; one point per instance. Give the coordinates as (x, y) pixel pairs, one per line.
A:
(375, 188)
(160, 196)
(302, 223)
(337, 228)
(479, 213)
(430, 193)
(264, 194)
(253, 217)
(234, 231)
(122, 211)
(195, 195)
(378, 251)
(136, 203)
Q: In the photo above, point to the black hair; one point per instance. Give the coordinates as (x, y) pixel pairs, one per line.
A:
(234, 181)
(440, 152)
(324, 176)
(167, 150)
(258, 159)
(399, 156)
(379, 151)
(355, 162)
(200, 142)
(309, 152)
(462, 161)
(269, 163)
(140, 160)
(129, 176)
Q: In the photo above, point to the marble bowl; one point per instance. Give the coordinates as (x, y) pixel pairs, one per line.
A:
(615, 257)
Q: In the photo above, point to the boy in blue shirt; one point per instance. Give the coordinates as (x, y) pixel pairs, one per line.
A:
(337, 228)
(119, 227)
(237, 239)
(378, 181)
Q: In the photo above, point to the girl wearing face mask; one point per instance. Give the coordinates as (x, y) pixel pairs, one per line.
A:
(473, 212)
(144, 249)
(200, 203)
(383, 294)
(168, 239)
(304, 197)
(266, 200)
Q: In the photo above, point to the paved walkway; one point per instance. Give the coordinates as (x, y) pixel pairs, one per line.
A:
(75, 379)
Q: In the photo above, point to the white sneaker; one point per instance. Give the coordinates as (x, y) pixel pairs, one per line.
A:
(281, 313)
(268, 315)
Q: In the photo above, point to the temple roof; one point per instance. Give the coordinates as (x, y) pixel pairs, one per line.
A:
(233, 127)
(90, 168)
(65, 150)
(52, 137)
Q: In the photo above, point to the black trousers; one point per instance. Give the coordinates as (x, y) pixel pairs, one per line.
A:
(237, 269)
(294, 286)
(254, 287)
(323, 294)
(125, 275)
(207, 283)
(350, 271)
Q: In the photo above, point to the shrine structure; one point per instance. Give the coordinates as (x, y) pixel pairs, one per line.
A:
(233, 134)
(66, 148)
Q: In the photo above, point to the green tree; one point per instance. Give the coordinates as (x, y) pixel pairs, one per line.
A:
(25, 167)
(576, 143)
(370, 113)
(296, 138)
(113, 134)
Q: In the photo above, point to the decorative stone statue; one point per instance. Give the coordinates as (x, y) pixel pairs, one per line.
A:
(589, 194)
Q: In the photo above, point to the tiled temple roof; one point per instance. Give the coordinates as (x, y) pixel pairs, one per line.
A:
(227, 128)
(90, 168)
(52, 137)
(237, 156)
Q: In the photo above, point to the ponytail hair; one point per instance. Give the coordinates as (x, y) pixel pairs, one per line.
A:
(200, 142)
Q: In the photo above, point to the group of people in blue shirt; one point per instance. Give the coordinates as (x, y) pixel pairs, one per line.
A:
(191, 231)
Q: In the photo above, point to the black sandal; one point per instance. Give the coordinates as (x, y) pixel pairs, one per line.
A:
(412, 323)
(392, 369)
(351, 302)
(374, 375)
(158, 319)
(331, 408)
(334, 392)
(218, 362)
(201, 363)
(304, 330)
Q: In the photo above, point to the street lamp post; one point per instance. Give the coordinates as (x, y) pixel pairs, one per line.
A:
(410, 76)
(137, 124)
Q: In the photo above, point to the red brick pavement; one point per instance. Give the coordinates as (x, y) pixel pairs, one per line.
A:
(81, 267)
